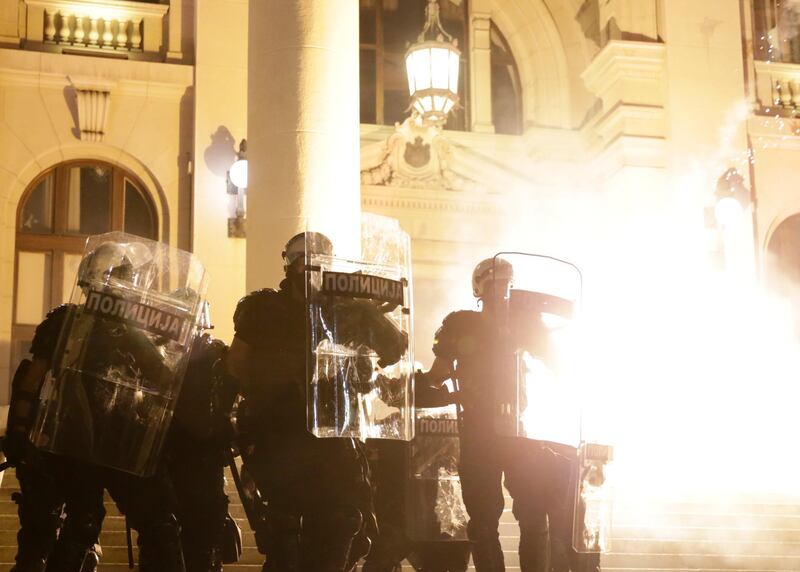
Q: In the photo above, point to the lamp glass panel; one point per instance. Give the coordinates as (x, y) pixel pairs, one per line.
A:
(439, 67)
(448, 106)
(427, 103)
(422, 68)
(454, 65)
(439, 102)
(410, 73)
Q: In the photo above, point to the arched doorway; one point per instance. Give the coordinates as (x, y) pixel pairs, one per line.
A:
(783, 264)
(57, 212)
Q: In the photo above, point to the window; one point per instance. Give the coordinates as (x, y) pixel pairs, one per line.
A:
(506, 89)
(776, 31)
(387, 28)
(56, 213)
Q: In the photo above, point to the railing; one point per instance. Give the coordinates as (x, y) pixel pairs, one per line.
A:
(130, 29)
(778, 86)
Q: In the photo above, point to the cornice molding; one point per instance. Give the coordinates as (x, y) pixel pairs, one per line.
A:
(625, 59)
(433, 200)
(37, 69)
(103, 8)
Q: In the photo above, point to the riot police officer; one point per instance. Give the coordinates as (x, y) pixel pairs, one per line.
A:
(195, 455)
(470, 349)
(109, 368)
(49, 484)
(319, 507)
(417, 495)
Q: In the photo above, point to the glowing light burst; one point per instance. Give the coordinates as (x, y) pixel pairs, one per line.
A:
(695, 386)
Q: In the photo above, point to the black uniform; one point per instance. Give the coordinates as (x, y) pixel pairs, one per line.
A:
(195, 455)
(480, 354)
(50, 485)
(317, 490)
(148, 503)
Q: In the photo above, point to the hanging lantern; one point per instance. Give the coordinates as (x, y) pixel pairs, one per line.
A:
(432, 69)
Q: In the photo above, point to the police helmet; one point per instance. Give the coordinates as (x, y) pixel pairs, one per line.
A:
(490, 270)
(306, 242)
(114, 261)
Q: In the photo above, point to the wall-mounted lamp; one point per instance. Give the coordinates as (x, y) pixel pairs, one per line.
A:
(731, 197)
(432, 68)
(237, 193)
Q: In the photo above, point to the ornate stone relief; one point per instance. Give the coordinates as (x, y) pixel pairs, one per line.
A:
(417, 156)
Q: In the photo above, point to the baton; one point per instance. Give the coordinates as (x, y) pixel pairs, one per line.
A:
(254, 508)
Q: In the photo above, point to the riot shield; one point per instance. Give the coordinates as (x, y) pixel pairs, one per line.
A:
(437, 511)
(122, 353)
(532, 399)
(592, 517)
(359, 335)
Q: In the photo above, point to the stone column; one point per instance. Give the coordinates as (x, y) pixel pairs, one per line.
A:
(303, 129)
(481, 68)
(175, 31)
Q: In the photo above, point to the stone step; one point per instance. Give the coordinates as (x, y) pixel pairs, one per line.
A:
(742, 535)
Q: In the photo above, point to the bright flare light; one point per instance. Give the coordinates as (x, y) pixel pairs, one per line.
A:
(728, 211)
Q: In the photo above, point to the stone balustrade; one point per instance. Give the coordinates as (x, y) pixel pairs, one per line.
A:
(132, 29)
(778, 86)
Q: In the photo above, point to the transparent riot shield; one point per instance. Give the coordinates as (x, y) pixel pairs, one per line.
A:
(592, 517)
(437, 509)
(135, 311)
(359, 334)
(535, 308)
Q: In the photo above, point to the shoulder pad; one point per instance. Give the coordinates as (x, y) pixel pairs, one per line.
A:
(453, 326)
(59, 312)
(459, 317)
(250, 314)
(46, 336)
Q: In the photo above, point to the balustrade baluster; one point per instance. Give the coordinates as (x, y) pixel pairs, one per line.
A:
(64, 33)
(785, 93)
(79, 36)
(136, 34)
(50, 25)
(122, 34)
(94, 35)
(795, 87)
(108, 35)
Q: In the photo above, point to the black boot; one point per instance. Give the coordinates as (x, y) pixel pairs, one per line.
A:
(534, 547)
(487, 554)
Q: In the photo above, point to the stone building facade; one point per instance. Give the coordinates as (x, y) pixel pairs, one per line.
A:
(593, 130)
